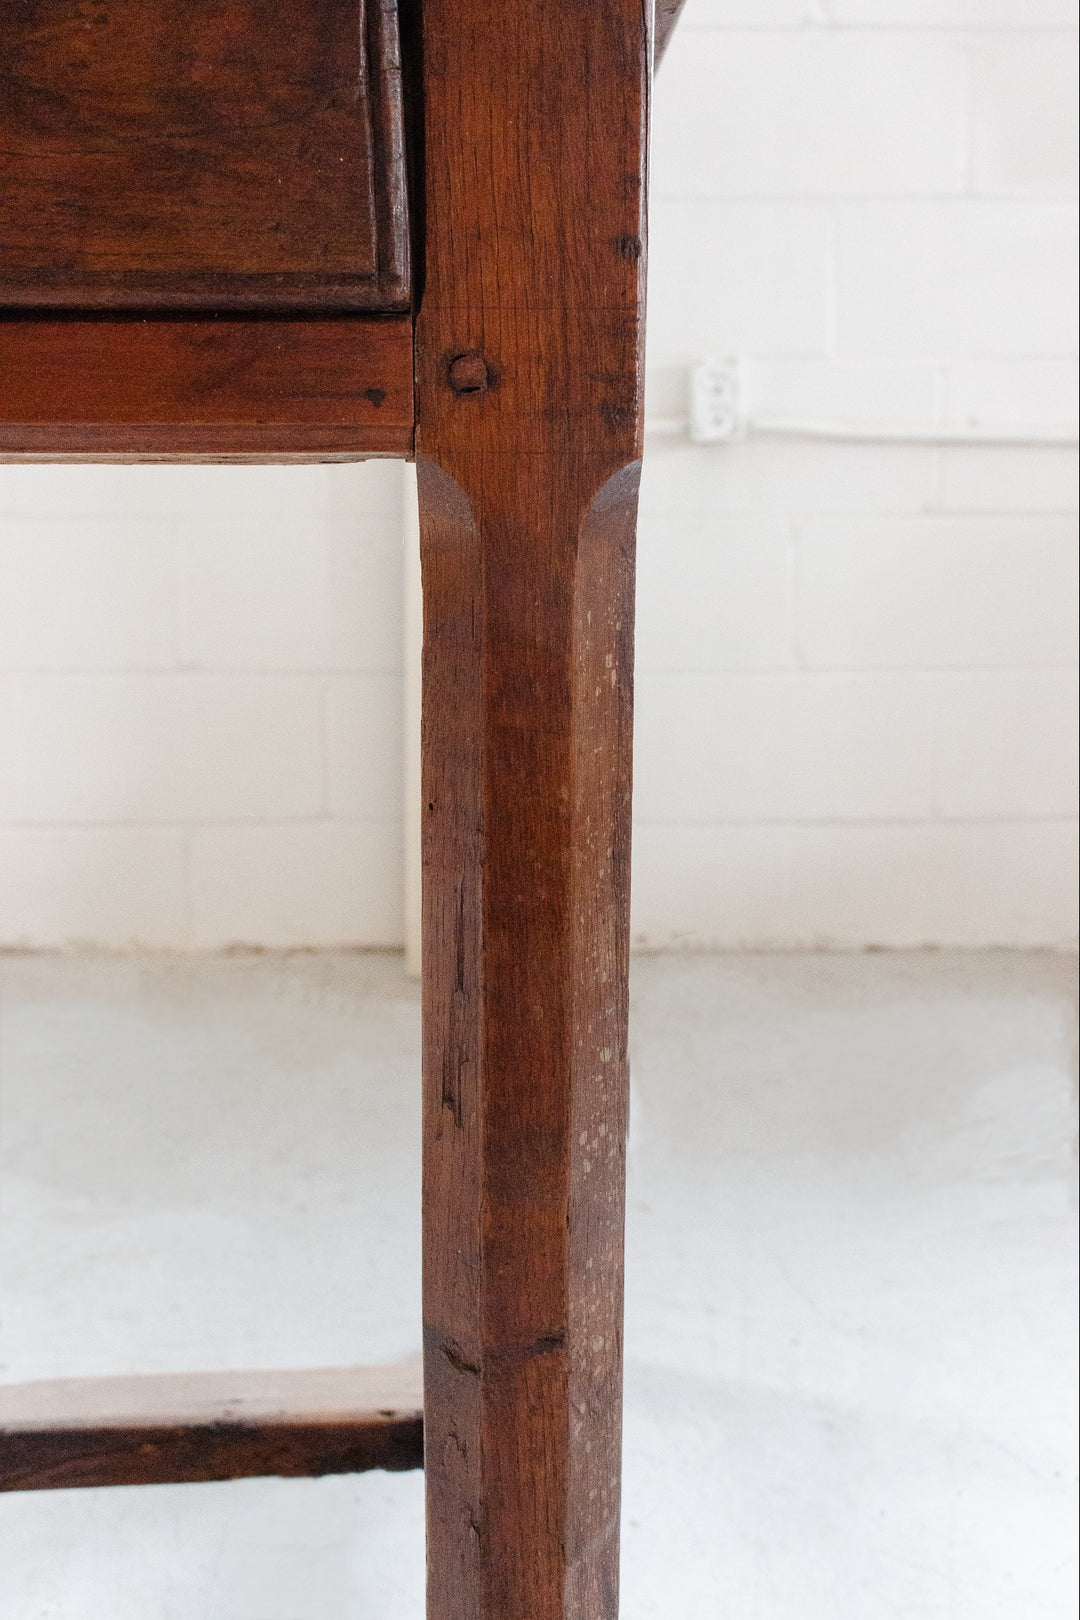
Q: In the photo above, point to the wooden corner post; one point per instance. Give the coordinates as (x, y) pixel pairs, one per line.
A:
(529, 412)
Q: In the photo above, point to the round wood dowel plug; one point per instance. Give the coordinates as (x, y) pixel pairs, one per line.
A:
(469, 373)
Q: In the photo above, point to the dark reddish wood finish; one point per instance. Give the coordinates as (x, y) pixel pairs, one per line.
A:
(202, 154)
(270, 390)
(186, 1454)
(528, 157)
(528, 360)
(179, 1429)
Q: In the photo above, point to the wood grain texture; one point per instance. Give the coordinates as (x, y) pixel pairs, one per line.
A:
(528, 432)
(667, 15)
(209, 1426)
(112, 389)
(196, 154)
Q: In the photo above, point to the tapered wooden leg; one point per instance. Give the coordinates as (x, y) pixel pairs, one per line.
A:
(526, 799)
(528, 364)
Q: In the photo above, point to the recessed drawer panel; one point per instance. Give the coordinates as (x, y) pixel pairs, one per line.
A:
(201, 154)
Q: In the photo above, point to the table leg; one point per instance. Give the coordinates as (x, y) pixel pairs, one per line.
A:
(528, 363)
(526, 812)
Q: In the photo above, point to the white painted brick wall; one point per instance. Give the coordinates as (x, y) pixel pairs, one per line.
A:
(955, 278)
(857, 692)
(200, 692)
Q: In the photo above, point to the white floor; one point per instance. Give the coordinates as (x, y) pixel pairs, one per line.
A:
(851, 1314)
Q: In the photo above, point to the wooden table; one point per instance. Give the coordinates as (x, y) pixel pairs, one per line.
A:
(294, 230)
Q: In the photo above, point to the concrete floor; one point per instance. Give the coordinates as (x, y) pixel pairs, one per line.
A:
(850, 1334)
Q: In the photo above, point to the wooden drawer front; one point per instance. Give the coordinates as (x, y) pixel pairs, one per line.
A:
(201, 154)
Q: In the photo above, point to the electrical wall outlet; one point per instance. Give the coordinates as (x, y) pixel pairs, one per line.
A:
(715, 402)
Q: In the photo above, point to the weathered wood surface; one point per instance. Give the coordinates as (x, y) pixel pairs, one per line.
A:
(209, 1426)
(528, 433)
(271, 390)
(529, 147)
(173, 154)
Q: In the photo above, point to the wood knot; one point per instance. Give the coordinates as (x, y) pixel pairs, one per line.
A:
(469, 373)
